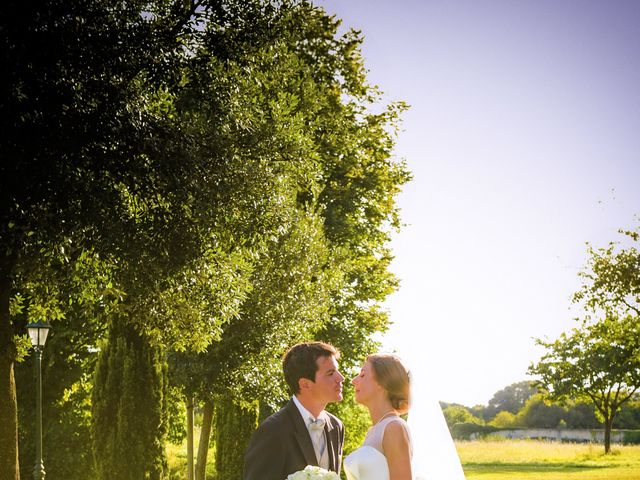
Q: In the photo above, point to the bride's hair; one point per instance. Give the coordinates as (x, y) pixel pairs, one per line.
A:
(393, 376)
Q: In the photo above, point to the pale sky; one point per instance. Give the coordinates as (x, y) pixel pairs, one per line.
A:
(524, 140)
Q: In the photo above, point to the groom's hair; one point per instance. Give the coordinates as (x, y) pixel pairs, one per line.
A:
(300, 362)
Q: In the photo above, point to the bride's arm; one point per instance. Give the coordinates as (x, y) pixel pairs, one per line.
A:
(397, 450)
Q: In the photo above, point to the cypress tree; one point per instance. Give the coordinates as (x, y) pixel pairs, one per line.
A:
(235, 422)
(129, 403)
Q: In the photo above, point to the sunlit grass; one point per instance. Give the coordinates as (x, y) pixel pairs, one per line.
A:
(177, 458)
(505, 460)
(529, 459)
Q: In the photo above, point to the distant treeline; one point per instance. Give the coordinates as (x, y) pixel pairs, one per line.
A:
(520, 405)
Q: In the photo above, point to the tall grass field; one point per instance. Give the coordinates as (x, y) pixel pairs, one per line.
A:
(507, 460)
(541, 460)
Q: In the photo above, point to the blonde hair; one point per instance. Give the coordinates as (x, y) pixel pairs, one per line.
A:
(393, 377)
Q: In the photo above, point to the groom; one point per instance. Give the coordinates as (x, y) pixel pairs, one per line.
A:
(301, 433)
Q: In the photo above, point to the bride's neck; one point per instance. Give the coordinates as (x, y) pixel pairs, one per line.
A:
(379, 410)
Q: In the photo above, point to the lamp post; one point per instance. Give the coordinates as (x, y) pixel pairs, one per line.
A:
(38, 332)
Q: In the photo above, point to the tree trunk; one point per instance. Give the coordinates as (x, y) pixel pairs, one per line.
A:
(8, 417)
(9, 469)
(203, 445)
(190, 472)
(608, 423)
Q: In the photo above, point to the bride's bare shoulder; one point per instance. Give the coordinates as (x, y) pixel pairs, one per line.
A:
(396, 431)
(397, 450)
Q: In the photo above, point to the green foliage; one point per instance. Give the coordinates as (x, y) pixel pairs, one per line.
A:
(210, 177)
(81, 285)
(295, 96)
(68, 434)
(581, 415)
(467, 431)
(67, 385)
(113, 172)
(631, 437)
(175, 415)
(511, 399)
(611, 279)
(459, 414)
(540, 413)
(129, 407)
(234, 424)
(629, 416)
(287, 302)
(505, 420)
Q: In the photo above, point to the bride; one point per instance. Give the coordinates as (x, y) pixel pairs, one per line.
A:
(385, 387)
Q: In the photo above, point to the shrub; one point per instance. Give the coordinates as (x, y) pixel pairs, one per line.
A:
(458, 414)
(631, 437)
(465, 431)
(504, 419)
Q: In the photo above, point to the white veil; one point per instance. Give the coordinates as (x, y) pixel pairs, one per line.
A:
(434, 453)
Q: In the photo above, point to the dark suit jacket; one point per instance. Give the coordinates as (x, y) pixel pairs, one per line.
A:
(282, 445)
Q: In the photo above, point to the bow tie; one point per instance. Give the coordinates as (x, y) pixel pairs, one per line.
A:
(316, 424)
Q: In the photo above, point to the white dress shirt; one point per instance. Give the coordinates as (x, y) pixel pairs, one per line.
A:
(317, 436)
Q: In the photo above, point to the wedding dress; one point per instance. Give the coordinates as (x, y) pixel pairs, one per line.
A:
(368, 462)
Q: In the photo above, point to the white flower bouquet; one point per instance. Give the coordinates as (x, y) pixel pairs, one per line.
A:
(313, 473)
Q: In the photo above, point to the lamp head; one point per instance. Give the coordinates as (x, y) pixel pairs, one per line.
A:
(38, 332)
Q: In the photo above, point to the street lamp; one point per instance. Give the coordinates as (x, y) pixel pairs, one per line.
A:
(38, 332)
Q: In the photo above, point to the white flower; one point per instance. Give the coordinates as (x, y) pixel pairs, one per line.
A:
(313, 473)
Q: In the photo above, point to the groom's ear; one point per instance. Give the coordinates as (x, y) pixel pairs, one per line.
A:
(304, 384)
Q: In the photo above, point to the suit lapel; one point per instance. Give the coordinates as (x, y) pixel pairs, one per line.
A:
(302, 434)
(331, 434)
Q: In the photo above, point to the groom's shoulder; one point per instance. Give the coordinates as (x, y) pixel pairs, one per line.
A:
(277, 419)
(334, 420)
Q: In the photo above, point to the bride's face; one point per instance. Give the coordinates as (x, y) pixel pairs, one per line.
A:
(366, 386)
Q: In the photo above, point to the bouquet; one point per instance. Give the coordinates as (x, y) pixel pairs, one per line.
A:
(313, 473)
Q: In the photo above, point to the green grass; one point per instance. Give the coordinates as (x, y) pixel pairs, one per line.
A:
(529, 459)
(177, 459)
(506, 460)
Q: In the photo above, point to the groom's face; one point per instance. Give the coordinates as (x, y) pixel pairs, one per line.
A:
(328, 385)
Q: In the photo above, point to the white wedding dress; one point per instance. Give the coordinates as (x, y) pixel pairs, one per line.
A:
(368, 462)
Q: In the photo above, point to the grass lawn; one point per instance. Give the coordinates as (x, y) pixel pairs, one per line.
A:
(508, 460)
(529, 459)
(177, 458)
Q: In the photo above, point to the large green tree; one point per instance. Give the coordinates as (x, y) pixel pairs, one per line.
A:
(97, 159)
(598, 362)
(230, 106)
(539, 412)
(74, 120)
(510, 399)
(341, 179)
(169, 136)
(600, 359)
